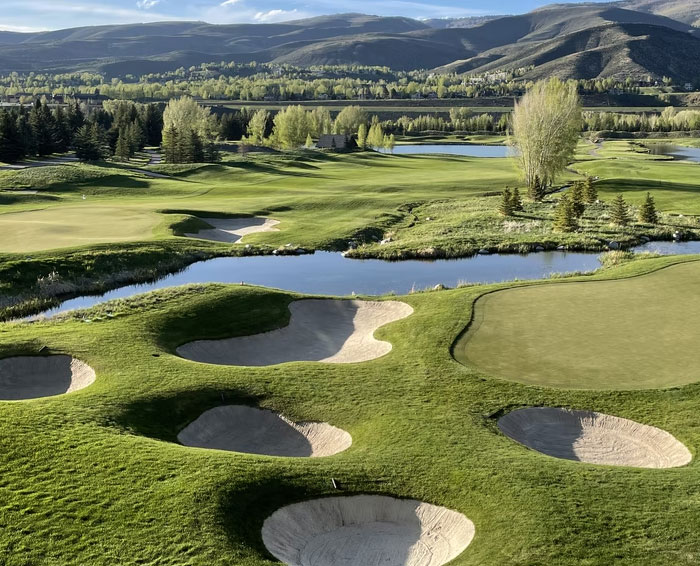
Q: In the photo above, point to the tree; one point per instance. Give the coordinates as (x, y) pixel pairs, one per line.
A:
(536, 190)
(349, 119)
(171, 145)
(506, 205)
(362, 136)
(590, 193)
(309, 141)
(516, 201)
(619, 214)
(185, 114)
(564, 215)
(647, 212)
(389, 143)
(11, 146)
(291, 127)
(257, 127)
(90, 143)
(153, 125)
(123, 148)
(547, 123)
(42, 124)
(577, 199)
(375, 138)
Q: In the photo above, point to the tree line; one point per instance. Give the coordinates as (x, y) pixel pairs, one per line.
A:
(119, 129)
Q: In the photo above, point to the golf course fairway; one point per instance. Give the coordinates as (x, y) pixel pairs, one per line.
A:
(637, 333)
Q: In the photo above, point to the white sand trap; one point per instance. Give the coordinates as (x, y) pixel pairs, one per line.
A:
(595, 438)
(31, 377)
(366, 530)
(320, 330)
(231, 230)
(256, 431)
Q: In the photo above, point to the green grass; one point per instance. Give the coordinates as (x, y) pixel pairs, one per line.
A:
(96, 479)
(626, 334)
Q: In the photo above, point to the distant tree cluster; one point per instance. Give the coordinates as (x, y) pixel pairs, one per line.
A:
(670, 120)
(119, 129)
(189, 133)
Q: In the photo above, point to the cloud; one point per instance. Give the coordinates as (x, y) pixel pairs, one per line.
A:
(230, 2)
(147, 4)
(276, 16)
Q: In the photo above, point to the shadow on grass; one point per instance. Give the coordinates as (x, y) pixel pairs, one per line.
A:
(647, 185)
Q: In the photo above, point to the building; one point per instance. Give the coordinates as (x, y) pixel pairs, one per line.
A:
(337, 142)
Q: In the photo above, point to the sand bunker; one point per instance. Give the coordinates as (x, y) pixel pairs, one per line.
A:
(320, 330)
(256, 431)
(231, 230)
(42, 376)
(595, 438)
(366, 530)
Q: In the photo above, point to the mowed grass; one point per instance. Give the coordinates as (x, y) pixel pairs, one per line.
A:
(96, 478)
(318, 198)
(627, 334)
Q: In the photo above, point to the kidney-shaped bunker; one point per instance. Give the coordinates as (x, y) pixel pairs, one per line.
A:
(585, 436)
(31, 377)
(256, 431)
(366, 529)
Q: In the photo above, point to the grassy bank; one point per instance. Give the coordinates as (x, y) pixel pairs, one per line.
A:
(100, 472)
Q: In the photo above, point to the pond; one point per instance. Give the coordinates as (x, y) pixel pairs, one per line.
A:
(469, 150)
(680, 152)
(327, 273)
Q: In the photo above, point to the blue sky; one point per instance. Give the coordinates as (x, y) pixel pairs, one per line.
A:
(32, 15)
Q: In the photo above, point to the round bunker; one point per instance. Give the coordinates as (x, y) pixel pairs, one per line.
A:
(585, 436)
(366, 529)
(232, 230)
(32, 377)
(238, 428)
(320, 330)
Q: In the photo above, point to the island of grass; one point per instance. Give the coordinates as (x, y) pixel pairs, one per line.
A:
(102, 470)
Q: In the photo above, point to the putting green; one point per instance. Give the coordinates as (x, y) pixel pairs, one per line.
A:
(51, 228)
(638, 333)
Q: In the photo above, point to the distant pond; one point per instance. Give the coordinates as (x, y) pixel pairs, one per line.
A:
(469, 150)
(678, 151)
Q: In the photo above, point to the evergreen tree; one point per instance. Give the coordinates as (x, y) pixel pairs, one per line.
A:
(516, 201)
(536, 191)
(619, 214)
(11, 146)
(123, 148)
(590, 193)
(26, 133)
(170, 145)
(577, 199)
(90, 143)
(63, 135)
(506, 205)
(211, 152)
(153, 125)
(309, 141)
(75, 117)
(647, 212)
(564, 215)
(42, 123)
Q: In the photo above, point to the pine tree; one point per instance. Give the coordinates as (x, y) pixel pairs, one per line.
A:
(619, 214)
(536, 191)
(577, 199)
(170, 146)
(63, 135)
(516, 200)
(90, 143)
(11, 146)
(153, 125)
(123, 148)
(506, 205)
(211, 152)
(647, 212)
(309, 141)
(564, 215)
(590, 193)
(42, 123)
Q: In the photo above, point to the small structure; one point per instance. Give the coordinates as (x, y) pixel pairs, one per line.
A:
(337, 142)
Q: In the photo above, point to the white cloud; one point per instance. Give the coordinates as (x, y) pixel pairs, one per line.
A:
(230, 2)
(147, 4)
(276, 16)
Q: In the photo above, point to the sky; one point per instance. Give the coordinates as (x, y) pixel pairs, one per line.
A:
(35, 15)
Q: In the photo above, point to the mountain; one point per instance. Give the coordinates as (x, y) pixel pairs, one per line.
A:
(577, 40)
(687, 11)
(612, 50)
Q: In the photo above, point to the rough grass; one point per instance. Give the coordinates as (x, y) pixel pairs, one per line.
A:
(627, 334)
(96, 479)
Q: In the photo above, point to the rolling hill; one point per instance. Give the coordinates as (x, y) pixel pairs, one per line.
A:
(582, 40)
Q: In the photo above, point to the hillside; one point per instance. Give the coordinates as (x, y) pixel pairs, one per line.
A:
(613, 50)
(586, 40)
